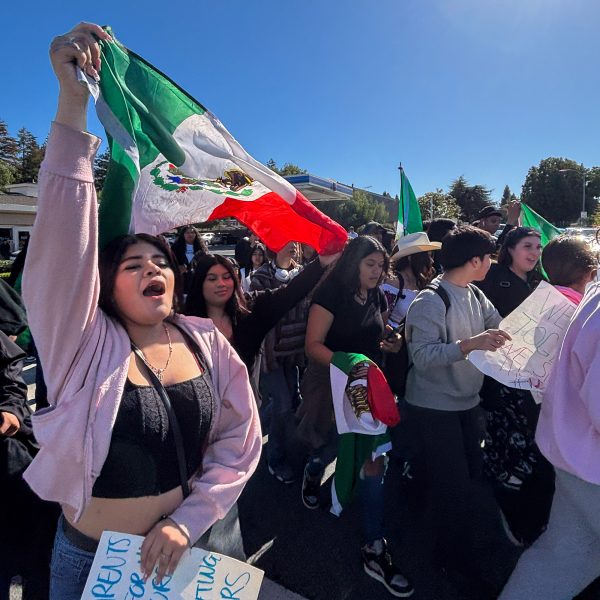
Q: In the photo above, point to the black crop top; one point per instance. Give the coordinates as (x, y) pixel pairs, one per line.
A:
(142, 459)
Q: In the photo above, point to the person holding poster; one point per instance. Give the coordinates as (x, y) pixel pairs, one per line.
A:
(565, 559)
(522, 481)
(445, 322)
(152, 427)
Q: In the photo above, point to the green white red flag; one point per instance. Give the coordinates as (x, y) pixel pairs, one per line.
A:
(174, 163)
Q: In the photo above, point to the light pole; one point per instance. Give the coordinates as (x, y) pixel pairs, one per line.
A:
(583, 216)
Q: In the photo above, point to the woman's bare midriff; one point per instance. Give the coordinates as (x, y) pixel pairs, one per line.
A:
(138, 515)
(128, 515)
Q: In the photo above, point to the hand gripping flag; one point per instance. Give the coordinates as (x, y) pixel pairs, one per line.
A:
(174, 163)
(364, 406)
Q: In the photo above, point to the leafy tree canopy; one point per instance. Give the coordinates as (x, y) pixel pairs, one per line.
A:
(555, 190)
(287, 169)
(444, 206)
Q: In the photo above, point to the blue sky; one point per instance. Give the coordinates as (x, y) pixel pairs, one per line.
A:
(348, 89)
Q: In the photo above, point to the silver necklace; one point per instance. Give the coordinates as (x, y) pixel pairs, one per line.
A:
(159, 372)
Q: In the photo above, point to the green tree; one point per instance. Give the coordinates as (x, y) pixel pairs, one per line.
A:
(554, 189)
(470, 198)
(506, 196)
(101, 163)
(30, 155)
(287, 169)
(444, 206)
(357, 211)
(8, 145)
(7, 174)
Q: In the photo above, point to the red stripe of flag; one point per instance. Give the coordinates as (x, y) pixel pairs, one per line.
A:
(276, 222)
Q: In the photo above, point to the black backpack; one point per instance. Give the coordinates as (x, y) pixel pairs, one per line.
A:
(396, 365)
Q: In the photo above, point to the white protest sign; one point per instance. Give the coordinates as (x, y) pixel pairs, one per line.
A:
(200, 575)
(537, 327)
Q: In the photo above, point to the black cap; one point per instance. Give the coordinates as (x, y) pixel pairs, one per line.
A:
(373, 227)
(490, 210)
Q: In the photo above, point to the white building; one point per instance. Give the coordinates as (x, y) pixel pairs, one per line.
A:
(18, 207)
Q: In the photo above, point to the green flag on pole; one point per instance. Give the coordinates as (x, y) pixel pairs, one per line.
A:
(529, 218)
(409, 213)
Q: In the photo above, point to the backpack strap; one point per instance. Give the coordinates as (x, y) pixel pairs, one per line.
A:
(441, 292)
(478, 293)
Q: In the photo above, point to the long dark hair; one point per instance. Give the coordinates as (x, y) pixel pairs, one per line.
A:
(195, 304)
(347, 269)
(108, 267)
(513, 237)
(179, 243)
(421, 265)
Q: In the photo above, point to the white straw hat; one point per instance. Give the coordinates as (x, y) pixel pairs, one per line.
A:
(413, 243)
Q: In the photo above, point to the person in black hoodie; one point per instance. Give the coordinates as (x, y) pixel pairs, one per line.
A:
(28, 522)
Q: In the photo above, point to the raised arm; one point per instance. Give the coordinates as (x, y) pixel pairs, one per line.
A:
(270, 306)
(60, 281)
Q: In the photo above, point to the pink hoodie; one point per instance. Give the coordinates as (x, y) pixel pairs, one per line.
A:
(85, 355)
(568, 431)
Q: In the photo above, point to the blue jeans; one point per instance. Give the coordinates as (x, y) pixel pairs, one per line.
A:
(370, 490)
(69, 567)
(280, 386)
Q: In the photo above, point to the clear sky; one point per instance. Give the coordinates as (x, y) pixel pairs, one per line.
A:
(349, 88)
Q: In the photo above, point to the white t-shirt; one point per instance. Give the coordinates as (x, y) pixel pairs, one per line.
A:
(401, 307)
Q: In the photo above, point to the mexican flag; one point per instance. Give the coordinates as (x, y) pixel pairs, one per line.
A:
(174, 163)
(529, 218)
(364, 406)
(409, 212)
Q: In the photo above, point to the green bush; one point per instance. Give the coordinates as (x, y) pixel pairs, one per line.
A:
(5, 266)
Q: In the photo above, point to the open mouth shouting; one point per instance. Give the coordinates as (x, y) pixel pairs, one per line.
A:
(155, 289)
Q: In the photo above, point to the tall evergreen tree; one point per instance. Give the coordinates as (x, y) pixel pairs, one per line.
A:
(30, 156)
(8, 145)
(101, 163)
(507, 196)
(470, 198)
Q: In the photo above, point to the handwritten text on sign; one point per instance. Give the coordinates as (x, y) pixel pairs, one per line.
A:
(200, 575)
(537, 328)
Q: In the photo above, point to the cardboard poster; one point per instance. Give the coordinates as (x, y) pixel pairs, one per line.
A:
(200, 575)
(537, 328)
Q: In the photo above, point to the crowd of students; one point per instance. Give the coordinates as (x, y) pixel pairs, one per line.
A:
(158, 359)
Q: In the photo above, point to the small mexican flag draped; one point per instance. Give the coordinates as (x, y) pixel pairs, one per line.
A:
(364, 407)
(174, 163)
(409, 212)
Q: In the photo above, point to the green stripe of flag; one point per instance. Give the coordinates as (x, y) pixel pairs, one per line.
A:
(529, 218)
(409, 212)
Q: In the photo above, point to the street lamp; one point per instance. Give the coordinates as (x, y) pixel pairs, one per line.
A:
(583, 211)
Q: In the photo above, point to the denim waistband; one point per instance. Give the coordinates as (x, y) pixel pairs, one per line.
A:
(78, 539)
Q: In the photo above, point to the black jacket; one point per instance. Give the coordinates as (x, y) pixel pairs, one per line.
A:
(267, 308)
(504, 289)
(16, 452)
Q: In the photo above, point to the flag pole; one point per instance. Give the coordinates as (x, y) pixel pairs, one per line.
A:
(400, 205)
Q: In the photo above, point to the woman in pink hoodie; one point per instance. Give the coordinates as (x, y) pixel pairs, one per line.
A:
(109, 452)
